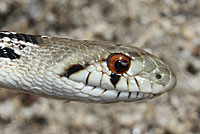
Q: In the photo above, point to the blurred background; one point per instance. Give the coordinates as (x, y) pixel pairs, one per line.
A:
(169, 29)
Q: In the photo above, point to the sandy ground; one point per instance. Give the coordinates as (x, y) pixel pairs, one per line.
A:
(169, 29)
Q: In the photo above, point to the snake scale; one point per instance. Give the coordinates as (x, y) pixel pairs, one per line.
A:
(81, 70)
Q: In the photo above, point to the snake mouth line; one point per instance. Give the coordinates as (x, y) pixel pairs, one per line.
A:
(138, 96)
(122, 96)
(108, 96)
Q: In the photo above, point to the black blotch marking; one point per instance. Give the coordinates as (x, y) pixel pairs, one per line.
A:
(73, 69)
(114, 78)
(22, 37)
(8, 53)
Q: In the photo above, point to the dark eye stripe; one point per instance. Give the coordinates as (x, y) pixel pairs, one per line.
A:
(73, 69)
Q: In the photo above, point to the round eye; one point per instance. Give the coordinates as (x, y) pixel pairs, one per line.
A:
(118, 63)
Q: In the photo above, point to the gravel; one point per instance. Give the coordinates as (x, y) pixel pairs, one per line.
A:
(169, 29)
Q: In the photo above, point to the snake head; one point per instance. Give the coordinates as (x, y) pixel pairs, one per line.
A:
(123, 74)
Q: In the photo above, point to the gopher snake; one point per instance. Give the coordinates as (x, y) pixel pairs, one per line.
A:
(81, 70)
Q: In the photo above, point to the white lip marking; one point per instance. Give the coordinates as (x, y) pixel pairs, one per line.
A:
(79, 76)
(132, 86)
(145, 84)
(105, 82)
(123, 96)
(133, 96)
(122, 84)
(86, 89)
(95, 78)
(109, 95)
(96, 92)
(140, 96)
(157, 88)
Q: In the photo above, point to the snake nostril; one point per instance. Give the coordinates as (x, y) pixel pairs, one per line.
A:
(158, 76)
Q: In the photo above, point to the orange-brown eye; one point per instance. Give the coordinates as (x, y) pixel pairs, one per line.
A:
(118, 63)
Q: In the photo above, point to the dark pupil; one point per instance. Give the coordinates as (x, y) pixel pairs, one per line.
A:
(121, 65)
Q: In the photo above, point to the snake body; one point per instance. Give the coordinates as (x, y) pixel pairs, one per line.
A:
(81, 70)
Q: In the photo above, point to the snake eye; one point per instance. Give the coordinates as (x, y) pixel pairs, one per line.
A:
(118, 63)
